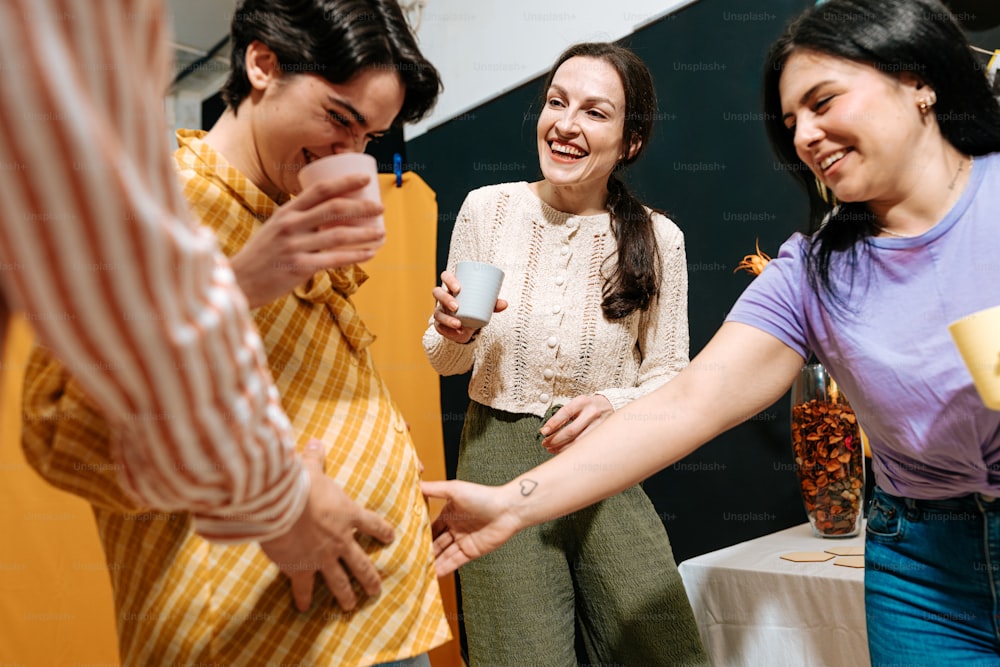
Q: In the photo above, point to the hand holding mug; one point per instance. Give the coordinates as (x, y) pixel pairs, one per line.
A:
(317, 230)
(459, 314)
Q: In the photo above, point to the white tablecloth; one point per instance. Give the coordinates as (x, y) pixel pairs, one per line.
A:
(756, 609)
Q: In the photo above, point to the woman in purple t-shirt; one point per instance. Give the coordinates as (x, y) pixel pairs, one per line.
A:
(880, 109)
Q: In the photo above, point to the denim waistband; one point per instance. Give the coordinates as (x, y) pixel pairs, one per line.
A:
(972, 501)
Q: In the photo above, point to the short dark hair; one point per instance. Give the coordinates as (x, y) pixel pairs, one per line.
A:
(334, 39)
(919, 37)
(635, 280)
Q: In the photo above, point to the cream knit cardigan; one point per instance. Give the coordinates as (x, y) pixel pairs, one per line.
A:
(553, 342)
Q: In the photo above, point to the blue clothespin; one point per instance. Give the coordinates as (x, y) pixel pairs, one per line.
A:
(397, 168)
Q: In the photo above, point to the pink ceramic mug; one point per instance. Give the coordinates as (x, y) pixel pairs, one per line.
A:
(343, 164)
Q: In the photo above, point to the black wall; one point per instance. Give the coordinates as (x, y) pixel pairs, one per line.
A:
(710, 166)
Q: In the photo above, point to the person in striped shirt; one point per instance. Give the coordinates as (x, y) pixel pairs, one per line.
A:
(98, 252)
(308, 79)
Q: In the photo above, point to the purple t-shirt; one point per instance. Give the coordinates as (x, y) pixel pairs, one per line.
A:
(892, 355)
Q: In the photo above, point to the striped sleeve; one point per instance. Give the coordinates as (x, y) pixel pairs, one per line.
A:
(98, 252)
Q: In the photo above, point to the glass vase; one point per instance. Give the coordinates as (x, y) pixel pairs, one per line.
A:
(829, 454)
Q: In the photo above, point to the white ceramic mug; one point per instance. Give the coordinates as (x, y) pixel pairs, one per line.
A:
(480, 287)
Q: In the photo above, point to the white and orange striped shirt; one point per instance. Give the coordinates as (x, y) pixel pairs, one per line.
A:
(99, 252)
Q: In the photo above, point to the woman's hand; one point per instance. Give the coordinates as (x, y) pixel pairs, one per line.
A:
(445, 322)
(320, 229)
(475, 520)
(573, 420)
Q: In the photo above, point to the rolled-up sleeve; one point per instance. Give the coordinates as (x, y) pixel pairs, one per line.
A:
(100, 256)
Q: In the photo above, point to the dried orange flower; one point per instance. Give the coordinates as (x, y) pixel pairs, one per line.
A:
(754, 263)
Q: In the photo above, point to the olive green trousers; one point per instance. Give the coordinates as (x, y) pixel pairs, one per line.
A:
(606, 571)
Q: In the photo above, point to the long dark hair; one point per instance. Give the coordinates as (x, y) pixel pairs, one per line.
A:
(635, 280)
(920, 37)
(334, 39)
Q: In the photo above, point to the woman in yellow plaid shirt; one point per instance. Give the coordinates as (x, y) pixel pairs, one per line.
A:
(308, 79)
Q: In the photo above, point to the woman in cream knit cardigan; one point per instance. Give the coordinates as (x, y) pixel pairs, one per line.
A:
(593, 314)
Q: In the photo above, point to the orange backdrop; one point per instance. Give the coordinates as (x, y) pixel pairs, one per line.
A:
(55, 598)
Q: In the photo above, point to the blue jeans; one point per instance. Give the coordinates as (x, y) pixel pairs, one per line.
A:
(932, 575)
(416, 661)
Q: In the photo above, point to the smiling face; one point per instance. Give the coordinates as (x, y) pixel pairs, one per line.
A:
(858, 129)
(580, 126)
(301, 117)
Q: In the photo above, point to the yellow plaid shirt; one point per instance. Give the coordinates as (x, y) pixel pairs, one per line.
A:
(180, 599)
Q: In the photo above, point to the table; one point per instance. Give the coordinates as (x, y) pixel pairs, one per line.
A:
(756, 609)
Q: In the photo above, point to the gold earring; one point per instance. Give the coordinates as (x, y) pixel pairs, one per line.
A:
(926, 103)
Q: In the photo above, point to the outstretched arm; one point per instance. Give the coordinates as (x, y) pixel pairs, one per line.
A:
(739, 373)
